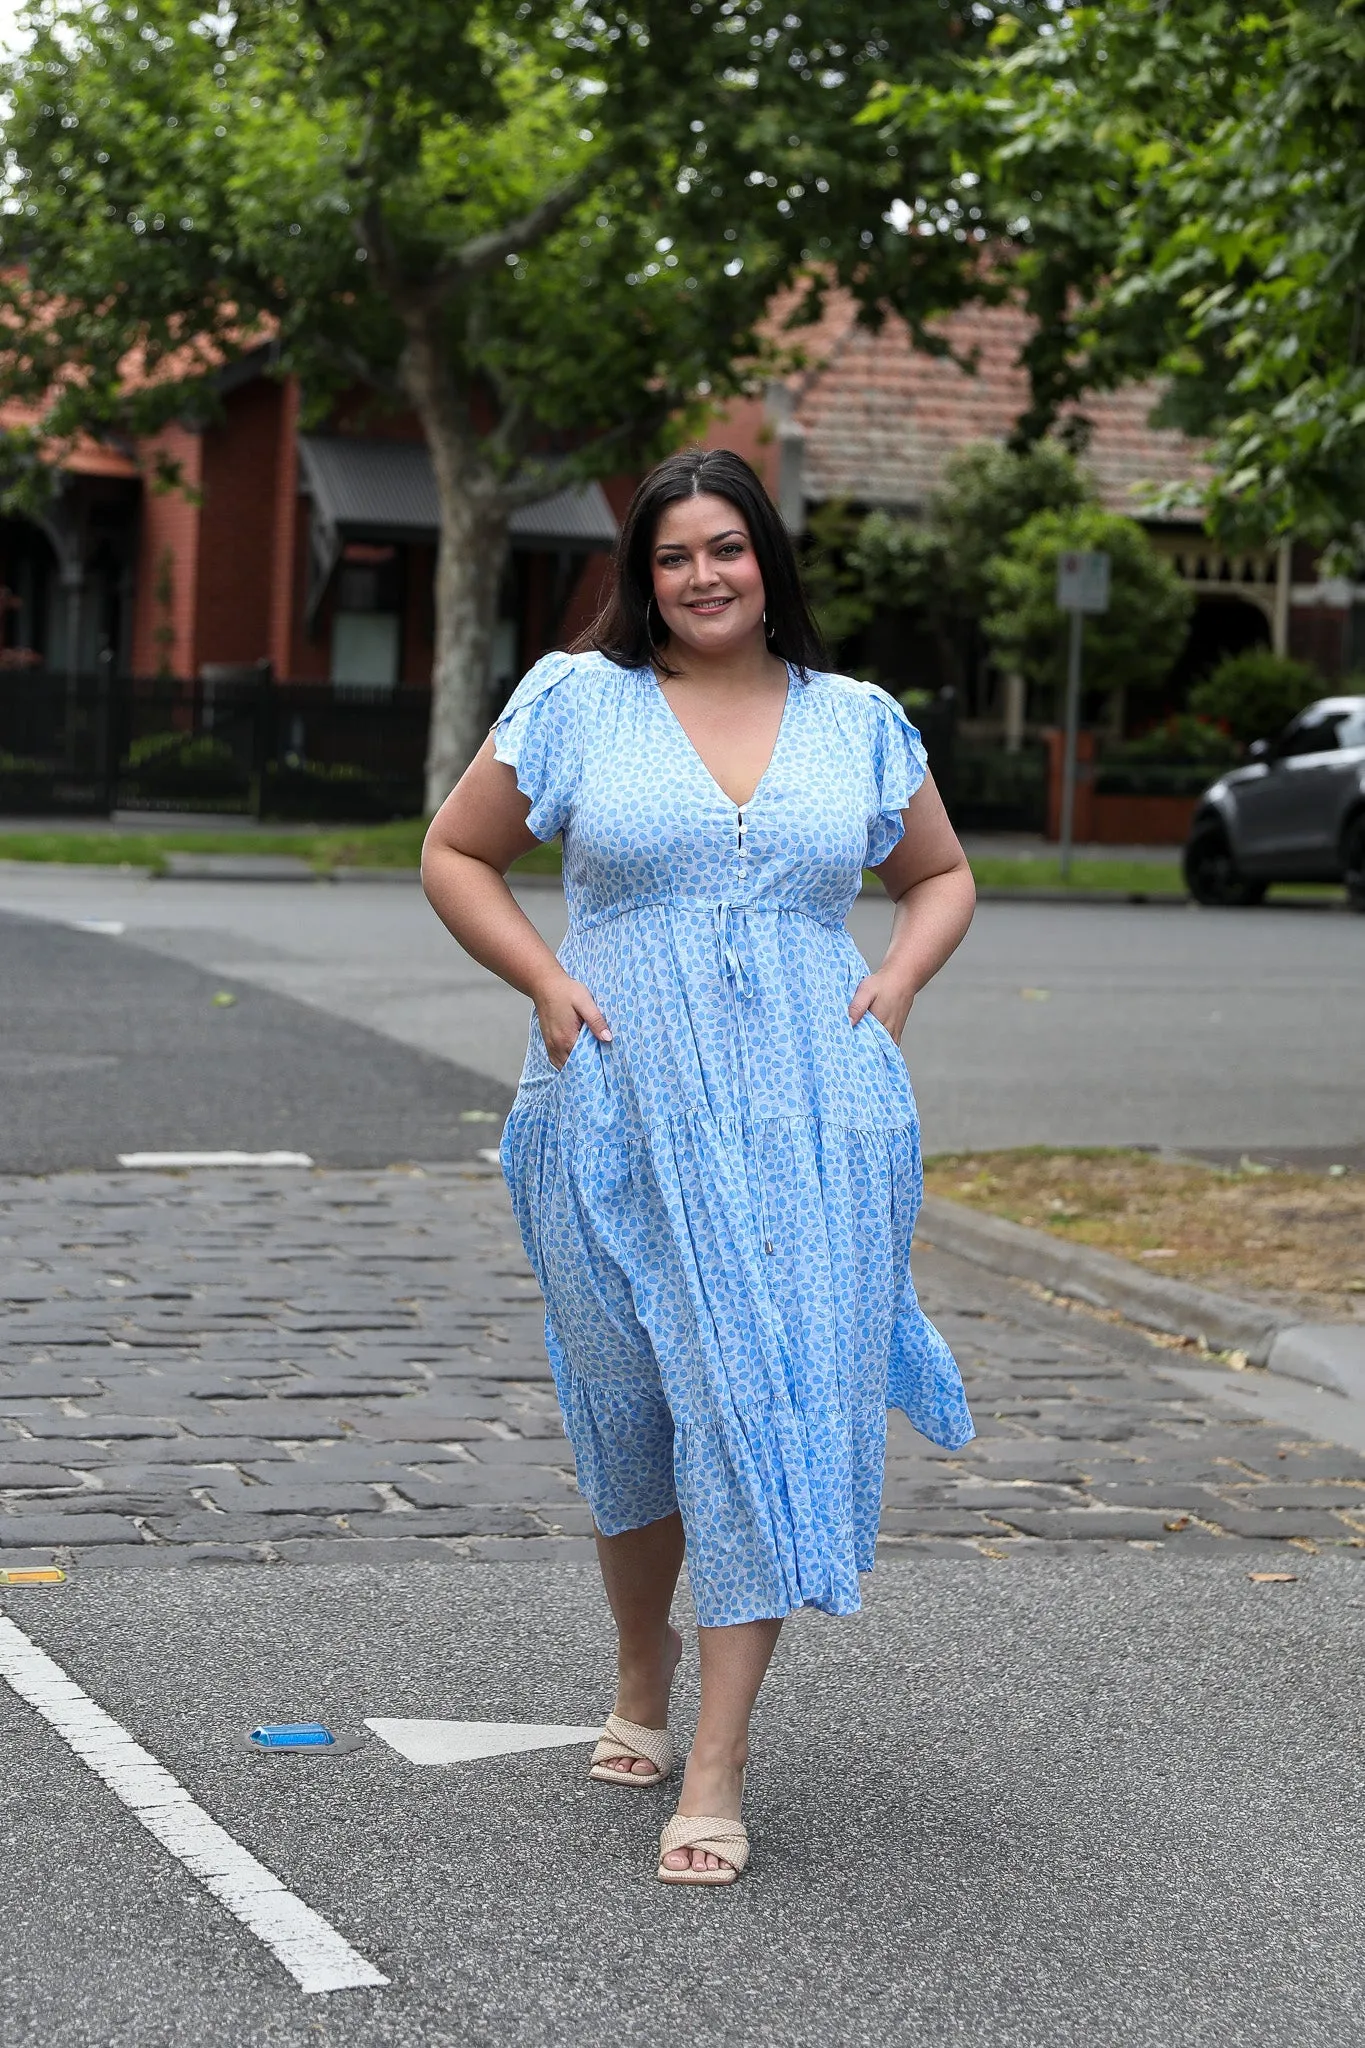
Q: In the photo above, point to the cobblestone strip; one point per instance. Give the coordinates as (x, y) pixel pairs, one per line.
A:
(279, 1367)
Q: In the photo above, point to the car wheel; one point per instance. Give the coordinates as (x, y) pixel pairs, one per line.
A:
(1212, 875)
(1353, 861)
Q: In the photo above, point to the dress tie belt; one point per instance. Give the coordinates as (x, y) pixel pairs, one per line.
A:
(732, 937)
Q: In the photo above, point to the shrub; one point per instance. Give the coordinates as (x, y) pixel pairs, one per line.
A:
(177, 764)
(1181, 737)
(1256, 693)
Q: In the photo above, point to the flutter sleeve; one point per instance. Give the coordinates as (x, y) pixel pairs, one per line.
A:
(899, 764)
(535, 733)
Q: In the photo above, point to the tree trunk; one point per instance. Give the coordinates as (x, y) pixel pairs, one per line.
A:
(471, 556)
(470, 560)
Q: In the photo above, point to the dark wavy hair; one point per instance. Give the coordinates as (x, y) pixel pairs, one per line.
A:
(622, 629)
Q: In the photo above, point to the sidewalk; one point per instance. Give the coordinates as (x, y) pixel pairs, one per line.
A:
(281, 1367)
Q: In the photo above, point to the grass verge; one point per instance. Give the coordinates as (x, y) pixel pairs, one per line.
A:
(1249, 1229)
(399, 845)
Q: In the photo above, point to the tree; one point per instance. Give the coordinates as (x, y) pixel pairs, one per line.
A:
(938, 566)
(1177, 191)
(1130, 646)
(551, 231)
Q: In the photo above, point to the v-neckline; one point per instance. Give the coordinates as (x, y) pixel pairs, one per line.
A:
(690, 744)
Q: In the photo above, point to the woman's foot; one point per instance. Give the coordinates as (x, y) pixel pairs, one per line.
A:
(643, 1685)
(712, 1785)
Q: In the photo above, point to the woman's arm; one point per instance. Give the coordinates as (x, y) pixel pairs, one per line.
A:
(928, 878)
(478, 832)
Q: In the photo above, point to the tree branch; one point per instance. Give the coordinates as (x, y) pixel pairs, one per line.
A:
(485, 252)
(544, 478)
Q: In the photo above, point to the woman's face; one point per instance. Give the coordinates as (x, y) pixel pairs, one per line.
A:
(707, 585)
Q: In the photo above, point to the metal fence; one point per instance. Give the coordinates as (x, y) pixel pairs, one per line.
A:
(237, 746)
(248, 746)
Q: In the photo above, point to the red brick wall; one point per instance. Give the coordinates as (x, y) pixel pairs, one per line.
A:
(237, 529)
(744, 428)
(168, 553)
(289, 510)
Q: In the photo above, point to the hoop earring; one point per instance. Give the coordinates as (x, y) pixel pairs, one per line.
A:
(768, 630)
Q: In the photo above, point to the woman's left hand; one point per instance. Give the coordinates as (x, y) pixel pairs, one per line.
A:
(888, 1000)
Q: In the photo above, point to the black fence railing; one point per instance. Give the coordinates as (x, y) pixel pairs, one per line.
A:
(244, 746)
(248, 746)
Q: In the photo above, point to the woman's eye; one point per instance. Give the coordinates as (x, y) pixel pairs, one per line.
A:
(730, 550)
(671, 561)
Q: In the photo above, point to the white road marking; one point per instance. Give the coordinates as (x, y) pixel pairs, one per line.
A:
(314, 1954)
(106, 927)
(459, 1742)
(214, 1159)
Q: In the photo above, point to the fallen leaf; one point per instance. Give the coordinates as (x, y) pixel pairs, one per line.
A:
(1272, 1578)
(1035, 995)
(222, 1000)
(479, 1116)
(1180, 1522)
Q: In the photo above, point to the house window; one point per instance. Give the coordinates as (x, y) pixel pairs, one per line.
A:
(367, 618)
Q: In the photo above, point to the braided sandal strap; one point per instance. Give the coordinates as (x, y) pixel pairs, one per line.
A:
(628, 1738)
(728, 1839)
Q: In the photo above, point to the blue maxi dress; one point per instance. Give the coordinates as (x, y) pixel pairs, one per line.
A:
(719, 1204)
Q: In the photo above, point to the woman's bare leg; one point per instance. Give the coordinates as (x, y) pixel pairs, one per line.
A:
(640, 1572)
(734, 1662)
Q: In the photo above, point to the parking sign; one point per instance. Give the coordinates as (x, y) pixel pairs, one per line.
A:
(1083, 581)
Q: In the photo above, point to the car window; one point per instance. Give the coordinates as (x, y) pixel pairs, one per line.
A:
(1351, 731)
(1312, 732)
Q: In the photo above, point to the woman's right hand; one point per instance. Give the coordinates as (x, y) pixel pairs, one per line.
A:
(563, 1009)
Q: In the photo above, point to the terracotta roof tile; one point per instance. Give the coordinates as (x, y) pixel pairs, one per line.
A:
(882, 417)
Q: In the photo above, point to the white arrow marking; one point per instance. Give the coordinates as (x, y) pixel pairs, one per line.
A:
(459, 1742)
(315, 1955)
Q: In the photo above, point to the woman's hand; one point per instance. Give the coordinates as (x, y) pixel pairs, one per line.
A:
(563, 1008)
(888, 999)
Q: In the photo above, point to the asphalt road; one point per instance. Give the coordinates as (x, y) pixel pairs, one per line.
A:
(108, 1048)
(1214, 1031)
(1035, 1805)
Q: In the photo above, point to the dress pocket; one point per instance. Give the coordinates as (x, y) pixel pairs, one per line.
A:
(585, 1037)
(884, 1038)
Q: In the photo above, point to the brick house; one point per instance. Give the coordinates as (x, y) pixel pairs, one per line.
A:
(874, 420)
(312, 552)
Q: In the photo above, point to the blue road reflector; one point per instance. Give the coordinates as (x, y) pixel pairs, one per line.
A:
(292, 1735)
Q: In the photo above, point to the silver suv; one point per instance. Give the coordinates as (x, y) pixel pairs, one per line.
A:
(1295, 813)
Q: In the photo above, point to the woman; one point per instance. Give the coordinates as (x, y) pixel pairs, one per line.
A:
(714, 1151)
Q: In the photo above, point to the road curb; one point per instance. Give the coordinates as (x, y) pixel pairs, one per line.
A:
(1219, 1321)
(1330, 1356)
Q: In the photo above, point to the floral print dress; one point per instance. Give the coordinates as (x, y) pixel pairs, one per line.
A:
(719, 1204)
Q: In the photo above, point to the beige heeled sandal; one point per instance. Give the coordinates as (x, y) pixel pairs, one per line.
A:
(628, 1738)
(728, 1839)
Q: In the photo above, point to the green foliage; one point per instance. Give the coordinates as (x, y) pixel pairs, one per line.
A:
(1181, 737)
(1175, 191)
(1130, 646)
(936, 566)
(179, 764)
(837, 589)
(1256, 693)
(988, 493)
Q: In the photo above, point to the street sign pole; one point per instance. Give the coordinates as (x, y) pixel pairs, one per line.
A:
(1073, 721)
(1082, 586)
